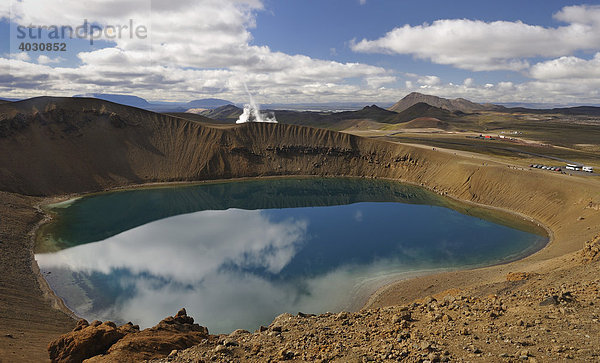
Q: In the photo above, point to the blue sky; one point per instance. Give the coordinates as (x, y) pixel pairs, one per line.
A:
(315, 29)
(315, 51)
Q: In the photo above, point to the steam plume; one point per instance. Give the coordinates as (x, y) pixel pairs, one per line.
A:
(252, 112)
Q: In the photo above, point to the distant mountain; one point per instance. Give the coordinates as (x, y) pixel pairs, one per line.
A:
(326, 119)
(210, 103)
(191, 117)
(319, 107)
(424, 110)
(545, 106)
(579, 110)
(457, 104)
(466, 106)
(372, 112)
(541, 106)
(231, 113)
(223, 113)
(126, 100)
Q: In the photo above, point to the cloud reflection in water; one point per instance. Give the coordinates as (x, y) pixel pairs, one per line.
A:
(239, 268)
(201, 261)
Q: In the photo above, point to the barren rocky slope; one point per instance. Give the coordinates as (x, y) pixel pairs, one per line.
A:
(458, 104)
(27, 318)
(53, 147)
(424, 110)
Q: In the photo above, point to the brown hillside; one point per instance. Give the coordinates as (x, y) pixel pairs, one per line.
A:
(424, 110)
(457, 104)
(424, 123)
(192, 117)
(117, 145)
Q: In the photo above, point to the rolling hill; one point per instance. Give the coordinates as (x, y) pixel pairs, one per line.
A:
(331, 119)
(227, 113)
(578, 110)
(466, 106)
(230, 113)
(135, 101)
(424, 110)
(126, 100)
(209, 103)
(458, 104)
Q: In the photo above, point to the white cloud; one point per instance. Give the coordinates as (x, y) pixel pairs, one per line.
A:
(478, 45)
(19, 56)
(44, 59)
(378, 81)
(205, 49)
(429, 81)
(507, 86)
(583, 14)
(24, 79)
(358, 216)
(567, 68)
(256, 242)
(195, 48)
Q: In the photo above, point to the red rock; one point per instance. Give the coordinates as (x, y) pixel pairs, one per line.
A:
(83, 343)
(105, 342)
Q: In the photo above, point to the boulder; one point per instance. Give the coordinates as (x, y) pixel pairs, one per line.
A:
(84, 342)
(105, 342)
(591, 250)
(518, 276)
(550, 300)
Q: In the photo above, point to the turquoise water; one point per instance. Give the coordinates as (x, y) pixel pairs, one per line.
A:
(238, 254)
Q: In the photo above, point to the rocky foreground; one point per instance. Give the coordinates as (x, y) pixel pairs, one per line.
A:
(105, 342)
(531, 317)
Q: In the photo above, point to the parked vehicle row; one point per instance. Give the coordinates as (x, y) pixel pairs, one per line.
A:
(574, 167)
(545, 167)
(579, 167)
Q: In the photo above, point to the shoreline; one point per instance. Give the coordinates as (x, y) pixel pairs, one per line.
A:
(360, 303)
(49, 294)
